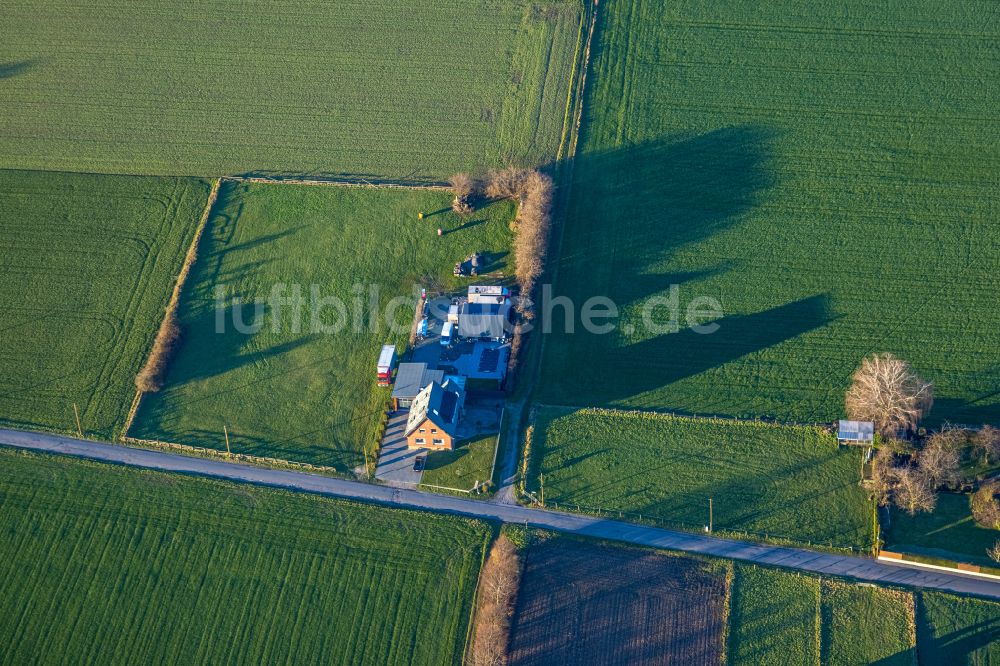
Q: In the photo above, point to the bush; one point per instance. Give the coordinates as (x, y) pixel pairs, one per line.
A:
(152, 375)
(986, 506)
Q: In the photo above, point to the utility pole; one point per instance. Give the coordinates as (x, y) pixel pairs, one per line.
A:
(76, 412)
(226, 431)
(709, 515)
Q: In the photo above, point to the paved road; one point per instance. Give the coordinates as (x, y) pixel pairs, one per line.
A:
(864, 569)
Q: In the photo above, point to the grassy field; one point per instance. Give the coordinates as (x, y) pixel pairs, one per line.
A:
(950, 532)
(864, 624)
(291, 390)
(784, 481)
(956, 630)
(588, 603)
(124, 566)
(784, 617)
(88, 266)
(829, 174)
(410, 90)
(469, 463)
(773, 618)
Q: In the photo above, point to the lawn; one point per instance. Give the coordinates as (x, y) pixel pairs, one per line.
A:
(113, 565)
(864, 624)
(471, 462)
(957, 630)
(773, 617)
(949, 532)
(414, 90)
(301, 388)
(790, 482)
(88, 266)
(829, 174)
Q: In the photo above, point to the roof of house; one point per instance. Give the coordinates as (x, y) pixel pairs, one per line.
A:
(484, 320)
(439, 403)
(411, 378)
(861, 431)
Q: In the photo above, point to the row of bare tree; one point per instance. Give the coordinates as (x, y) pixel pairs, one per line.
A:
(498, 585)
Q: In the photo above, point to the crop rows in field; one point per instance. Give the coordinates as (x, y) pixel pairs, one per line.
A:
(582, 603)
(828, 174)
(301, 386)
(124, 566)
(780, 481)
(88, 265)
(376, 89)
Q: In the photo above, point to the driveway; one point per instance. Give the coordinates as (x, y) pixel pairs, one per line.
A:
(395, 462)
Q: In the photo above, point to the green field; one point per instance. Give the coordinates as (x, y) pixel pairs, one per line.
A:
(787, 482)
(864, 624)
(949, 532)
(112, 565)
(956, 630)
(88, 266)
(289, 390)
(784, 617)
(382, 89)
(773, 617)
(469, 463)
(830, 174)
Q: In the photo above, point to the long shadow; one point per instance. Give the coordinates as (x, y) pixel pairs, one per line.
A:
(11, 69)
(649, 200)
(669, 358)
(633, 209)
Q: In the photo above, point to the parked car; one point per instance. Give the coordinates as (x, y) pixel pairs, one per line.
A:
(418, 463)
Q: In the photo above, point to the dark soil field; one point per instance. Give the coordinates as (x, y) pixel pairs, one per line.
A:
(583, 603)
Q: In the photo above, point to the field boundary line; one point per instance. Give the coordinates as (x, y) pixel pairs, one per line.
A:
(131, 414)
(175, 296)
(341, 182)
(204, 452)
(614, 411)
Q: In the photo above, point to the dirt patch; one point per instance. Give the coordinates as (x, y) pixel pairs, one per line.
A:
(583, 603)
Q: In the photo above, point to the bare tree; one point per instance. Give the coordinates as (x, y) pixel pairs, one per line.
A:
(913, 491)
(994, 552)
(985, 506)
(939, 459)
(886, 390)
(153, 373)
(883, 475)
(498, 585)
(464, 187)
(986, 443)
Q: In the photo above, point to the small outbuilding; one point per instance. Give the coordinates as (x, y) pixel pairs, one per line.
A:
(856, 432)
(411, 378)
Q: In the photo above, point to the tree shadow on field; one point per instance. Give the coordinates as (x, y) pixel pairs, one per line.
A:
(634, 209)
(962, 642)
(671, 357)
(9, 70)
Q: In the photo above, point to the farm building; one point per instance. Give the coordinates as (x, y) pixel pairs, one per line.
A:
(484, 321)
(856, 432)
(412, 378)
(434, 416)
(488, 294)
